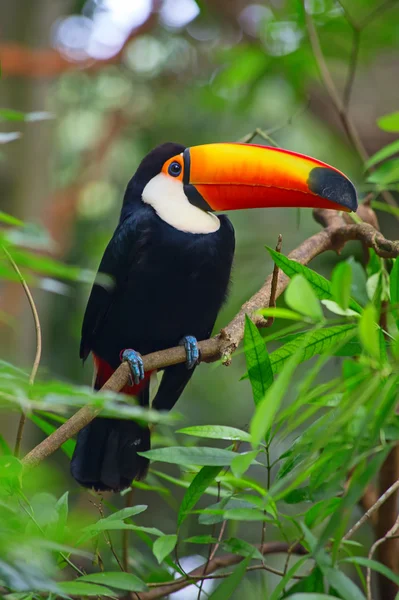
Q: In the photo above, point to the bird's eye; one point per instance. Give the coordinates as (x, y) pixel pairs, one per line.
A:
(174, 169)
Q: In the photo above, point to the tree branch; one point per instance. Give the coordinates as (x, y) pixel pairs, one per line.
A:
(218, 562)
(337, 233)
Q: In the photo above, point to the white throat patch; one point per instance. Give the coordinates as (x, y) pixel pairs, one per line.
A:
(166, 196)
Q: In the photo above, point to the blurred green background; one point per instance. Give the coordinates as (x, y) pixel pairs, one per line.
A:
(107, 80)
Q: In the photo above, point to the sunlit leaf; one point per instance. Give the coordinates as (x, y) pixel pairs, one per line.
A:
(341, 281)
(317, 342)
(242, 462)
(267, 408)
(389, 122)
(384, 153)
(300, 297)
(258, 361)
(10, 220)
(320, 285)
(216, 432)
(163, 546)
(368, 331)
(281, 313)
(387, 172)
(394, 289)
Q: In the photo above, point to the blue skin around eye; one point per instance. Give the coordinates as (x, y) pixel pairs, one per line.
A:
(135, 363)
(192, 351)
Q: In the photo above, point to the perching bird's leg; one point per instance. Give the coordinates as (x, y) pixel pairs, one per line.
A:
(192, 351)
(135, 363)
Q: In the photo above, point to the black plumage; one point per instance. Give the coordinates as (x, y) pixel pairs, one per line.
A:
(165, 284)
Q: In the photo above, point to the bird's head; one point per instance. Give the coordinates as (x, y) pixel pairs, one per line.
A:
(186, 185)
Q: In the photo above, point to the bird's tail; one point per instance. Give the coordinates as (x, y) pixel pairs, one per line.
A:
(105, 456)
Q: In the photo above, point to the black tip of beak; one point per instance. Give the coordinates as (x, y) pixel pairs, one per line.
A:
(333, 186)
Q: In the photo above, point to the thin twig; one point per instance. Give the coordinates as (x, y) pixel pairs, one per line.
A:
(273, 290)
(389, 535)
(339, 105)
(38, 354)
(218, 562)
(107, 535)
(350, 129)
(125, 534)
(352, 68)
(367, 515)
(220, 537)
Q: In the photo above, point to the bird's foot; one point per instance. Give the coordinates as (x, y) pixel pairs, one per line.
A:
(135, 363)
(192, 351)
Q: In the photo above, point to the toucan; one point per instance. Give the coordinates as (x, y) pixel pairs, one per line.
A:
(168, 268)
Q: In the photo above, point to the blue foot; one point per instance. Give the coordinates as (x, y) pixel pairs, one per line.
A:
(192, 351)
(135, 363)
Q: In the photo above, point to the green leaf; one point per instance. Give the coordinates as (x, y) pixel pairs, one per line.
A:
(342, 584)
(320, 285)
(317, 342)
(163, 546)
(4, 447)
(201, 456)
(80, 588)
(300, 296)
(372, 564)
(196, 489)
(201, 539)
(314, 582)
(126, 513)
(389, 122)
(10, 220)
(281, 313)
(276, 594)
(382, 154)
(217, 432)
(394, 290)
(267, 408)
(320, 510)
(337, 310)
(242, 462)
(117, 525)
(7, 114)
(387, 172)
(368, 331)
(341, 281)
(225, 590)
(258, 362)
(310, 596)
(241, 547)
(116, 579)
(67, 447)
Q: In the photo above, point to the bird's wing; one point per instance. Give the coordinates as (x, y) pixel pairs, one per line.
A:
(110, 282)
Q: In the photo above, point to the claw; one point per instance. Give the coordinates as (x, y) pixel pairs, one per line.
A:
(192, 351)
(135, 363)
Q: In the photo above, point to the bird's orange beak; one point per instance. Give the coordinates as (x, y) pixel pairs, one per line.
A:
(221, 177)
